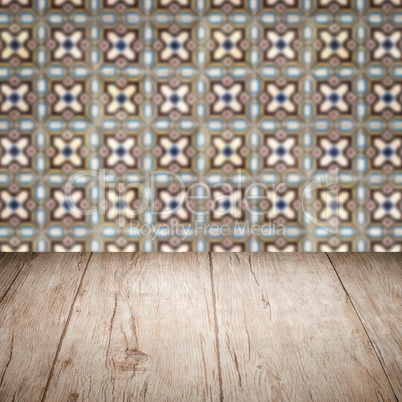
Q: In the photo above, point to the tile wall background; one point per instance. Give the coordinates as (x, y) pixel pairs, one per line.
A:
(272, 92)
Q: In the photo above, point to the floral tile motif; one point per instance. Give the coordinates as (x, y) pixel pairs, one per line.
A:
(200, 125)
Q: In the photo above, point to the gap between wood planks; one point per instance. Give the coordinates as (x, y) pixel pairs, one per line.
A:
(28, 256)
(364, 327)
(65, 329)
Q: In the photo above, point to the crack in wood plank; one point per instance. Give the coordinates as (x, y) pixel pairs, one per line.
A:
(211, 266)
(9, 359)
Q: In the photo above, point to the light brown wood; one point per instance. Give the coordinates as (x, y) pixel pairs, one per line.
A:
(142, 329)
(10, 267)
(374, 284)
(287, 331)
(33, 315)
(161, 327)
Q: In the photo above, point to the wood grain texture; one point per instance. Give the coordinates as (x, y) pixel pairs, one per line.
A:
(374, 284)
(142, 329)
(10, 267)
(33, 315)
(287, 331)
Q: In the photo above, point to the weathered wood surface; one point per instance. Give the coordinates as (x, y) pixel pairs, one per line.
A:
(10, 266)
(198, 326)
(374, 284)
(287, 331)
(142, 328)
(33, 316)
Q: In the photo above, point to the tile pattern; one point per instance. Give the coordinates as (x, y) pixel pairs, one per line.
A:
(276, 92)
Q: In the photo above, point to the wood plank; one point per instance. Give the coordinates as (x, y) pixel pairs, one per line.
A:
(142, 328)
(374, 284)
(10, 266)
(33, 315)
(287, 331)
